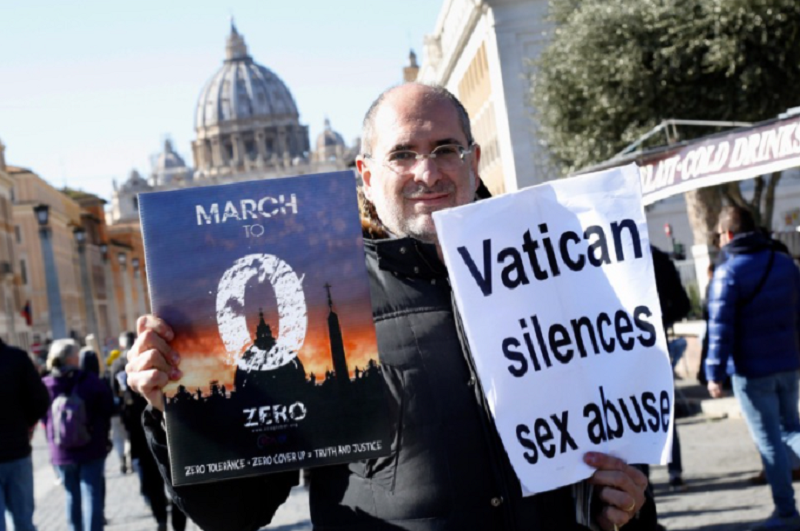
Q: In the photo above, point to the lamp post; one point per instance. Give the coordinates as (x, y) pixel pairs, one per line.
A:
(137, 277)
(58, 327)
(111, 294)
(91, 320)
(130, 320)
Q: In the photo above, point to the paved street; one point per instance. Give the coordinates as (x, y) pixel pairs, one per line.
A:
(125, 507)
(718, 459)
(718, 456)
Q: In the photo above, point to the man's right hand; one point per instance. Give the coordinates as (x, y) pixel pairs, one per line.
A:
(152, 363)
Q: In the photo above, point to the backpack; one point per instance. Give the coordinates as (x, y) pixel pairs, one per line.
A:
(69, 421)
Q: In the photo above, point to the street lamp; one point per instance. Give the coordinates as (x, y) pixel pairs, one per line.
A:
(88, 301)
(42, 214)
(111, 293)
(139, 288)
(58, 327)
(126, 290)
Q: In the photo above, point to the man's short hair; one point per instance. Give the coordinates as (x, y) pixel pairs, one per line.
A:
(434, 92)
(736, 219)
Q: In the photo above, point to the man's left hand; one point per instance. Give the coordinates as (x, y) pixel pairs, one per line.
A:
(621, 489)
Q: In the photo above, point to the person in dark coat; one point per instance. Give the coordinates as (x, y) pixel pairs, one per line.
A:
(675, 305)
(80, 468)
(25, 400)
(89, 362)
(447, 470)
(151, 482)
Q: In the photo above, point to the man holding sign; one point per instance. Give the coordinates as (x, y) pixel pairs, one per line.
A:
(448, 469)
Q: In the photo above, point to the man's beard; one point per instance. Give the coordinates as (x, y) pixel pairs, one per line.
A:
(421, 226)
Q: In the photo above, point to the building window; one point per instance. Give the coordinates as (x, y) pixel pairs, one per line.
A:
(18, 233)
(23, 272)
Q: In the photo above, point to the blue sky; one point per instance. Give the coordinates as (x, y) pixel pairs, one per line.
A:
(89, 90)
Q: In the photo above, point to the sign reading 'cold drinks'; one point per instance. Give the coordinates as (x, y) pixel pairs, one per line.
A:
(573, 358)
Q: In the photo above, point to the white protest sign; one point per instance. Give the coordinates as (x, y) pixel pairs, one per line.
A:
(556, 290)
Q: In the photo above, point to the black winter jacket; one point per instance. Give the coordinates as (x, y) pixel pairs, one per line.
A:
(447, 469)
(25, 401)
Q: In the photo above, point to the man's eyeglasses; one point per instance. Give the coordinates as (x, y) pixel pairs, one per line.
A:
(447, 157)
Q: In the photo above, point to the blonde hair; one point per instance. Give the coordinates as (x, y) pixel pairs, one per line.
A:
(60, 351)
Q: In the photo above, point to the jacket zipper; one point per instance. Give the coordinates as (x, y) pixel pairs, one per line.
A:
(489, 432)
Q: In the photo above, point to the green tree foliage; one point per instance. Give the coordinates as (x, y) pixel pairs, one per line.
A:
(616, 68)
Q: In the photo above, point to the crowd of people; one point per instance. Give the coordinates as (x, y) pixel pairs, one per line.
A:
(78, 395)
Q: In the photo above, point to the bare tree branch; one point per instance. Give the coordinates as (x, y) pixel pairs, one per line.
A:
(733, 194)
(755, 204)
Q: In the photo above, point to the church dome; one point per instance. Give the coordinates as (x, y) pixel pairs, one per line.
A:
(135, 183)
(243, 89)
(246, 119)
(329, 138)
(168, 167)
(330, 145)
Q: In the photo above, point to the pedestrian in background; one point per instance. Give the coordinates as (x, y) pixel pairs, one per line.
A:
(118, 379)
(151, 484)
(119, 437)
(25, 400)
(754, 319)
(90, 362)
(77, 426)
(675, 305)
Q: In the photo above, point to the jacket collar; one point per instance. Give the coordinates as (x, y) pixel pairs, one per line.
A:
(747, 243)
(408, 257)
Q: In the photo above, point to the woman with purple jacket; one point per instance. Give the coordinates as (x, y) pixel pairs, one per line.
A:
(78, 449)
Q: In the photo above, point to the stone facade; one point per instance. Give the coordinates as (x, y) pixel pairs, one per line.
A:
(89, 276)
(13, 327)
(480, 51)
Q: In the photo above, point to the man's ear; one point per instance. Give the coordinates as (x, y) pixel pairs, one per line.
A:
(366, 175)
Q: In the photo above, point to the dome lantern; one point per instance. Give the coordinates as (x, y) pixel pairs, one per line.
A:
(235, 48)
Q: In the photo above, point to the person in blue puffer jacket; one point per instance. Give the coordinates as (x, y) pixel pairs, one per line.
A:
(753, 331)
